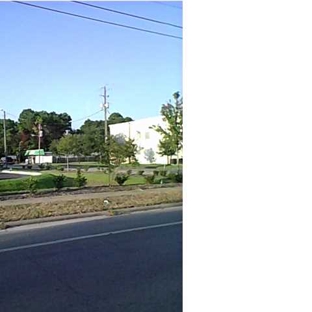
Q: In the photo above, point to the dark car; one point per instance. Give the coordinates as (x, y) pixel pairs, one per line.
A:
(9, 160)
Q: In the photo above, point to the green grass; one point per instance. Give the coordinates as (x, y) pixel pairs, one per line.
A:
(98, 178)
(45, 181)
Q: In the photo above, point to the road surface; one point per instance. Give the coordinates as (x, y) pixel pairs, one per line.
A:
(124, 263)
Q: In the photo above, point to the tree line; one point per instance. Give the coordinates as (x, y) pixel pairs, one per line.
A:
(59, 137)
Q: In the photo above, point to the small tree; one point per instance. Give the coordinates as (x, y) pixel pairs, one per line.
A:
(172, 135)
(66, 146)
(149, 155)
(131, 149)
(80, 179)
(59, 181)
(121, 178)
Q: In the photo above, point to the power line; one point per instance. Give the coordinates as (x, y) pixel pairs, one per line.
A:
(86, 116)
(127, 14)
(167, 4)
(97, 20)
(12, 115)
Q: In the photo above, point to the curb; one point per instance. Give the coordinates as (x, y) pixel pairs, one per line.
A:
(106, 213)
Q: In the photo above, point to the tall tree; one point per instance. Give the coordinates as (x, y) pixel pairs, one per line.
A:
(53, 127)
(12, 137)
(172, 134)
(92, 137)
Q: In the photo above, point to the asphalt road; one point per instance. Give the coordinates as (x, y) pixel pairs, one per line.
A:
(5, 176)
(123, 263)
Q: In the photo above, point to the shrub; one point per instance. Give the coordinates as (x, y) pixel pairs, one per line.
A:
(42, 166)
(140, 172)
(59, 181)
(121, 178)
(179, 177)
(32, 185)
(176, 177)
(45, 166)
(150, 178)
(156, 172)
(59, 168)
(80, 179)
(129, 172)
(48, 166)
(86, 168)
(163, 173)
(135, 163)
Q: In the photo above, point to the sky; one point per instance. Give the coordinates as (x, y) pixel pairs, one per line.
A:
(55, 62)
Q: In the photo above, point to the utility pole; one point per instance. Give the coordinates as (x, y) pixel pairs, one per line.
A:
(106, 140)
(39, 139)
(4, 137)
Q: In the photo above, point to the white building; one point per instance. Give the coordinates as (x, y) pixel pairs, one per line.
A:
(147, 139)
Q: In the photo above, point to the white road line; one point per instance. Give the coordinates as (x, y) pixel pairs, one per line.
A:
(60, 241)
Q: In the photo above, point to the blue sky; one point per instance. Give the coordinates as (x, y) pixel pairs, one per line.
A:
(54, 62)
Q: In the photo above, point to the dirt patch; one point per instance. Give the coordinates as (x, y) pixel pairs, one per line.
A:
(85, 190)
(80, 206)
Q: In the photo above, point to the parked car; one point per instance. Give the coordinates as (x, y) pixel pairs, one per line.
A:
(9, 160)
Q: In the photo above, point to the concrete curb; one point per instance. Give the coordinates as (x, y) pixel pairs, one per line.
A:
(106, 213)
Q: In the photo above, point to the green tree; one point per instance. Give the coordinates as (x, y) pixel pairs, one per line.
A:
(77, 145)
(130, 150)
(167, 148)
(12, 137)
(92, 139)
(149, 155)
(115, 118)
(172, 134)
(53, 127)
(66, 146)
(53, 147)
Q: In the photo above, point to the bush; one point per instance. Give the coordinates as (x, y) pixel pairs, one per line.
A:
(176, 177)
(86, 168)
(80, 179)
(163, 173)
(59, 181)
(45, 166)
(129, 172)
(32, 185)
(179, 177)
(59, 168)
(121, 178)
(150, 179)
(156, 172)
(48, 166)
(41, 166)
(140, 172)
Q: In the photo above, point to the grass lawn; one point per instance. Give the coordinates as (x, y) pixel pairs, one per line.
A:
(45, 181)
(100, 178)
